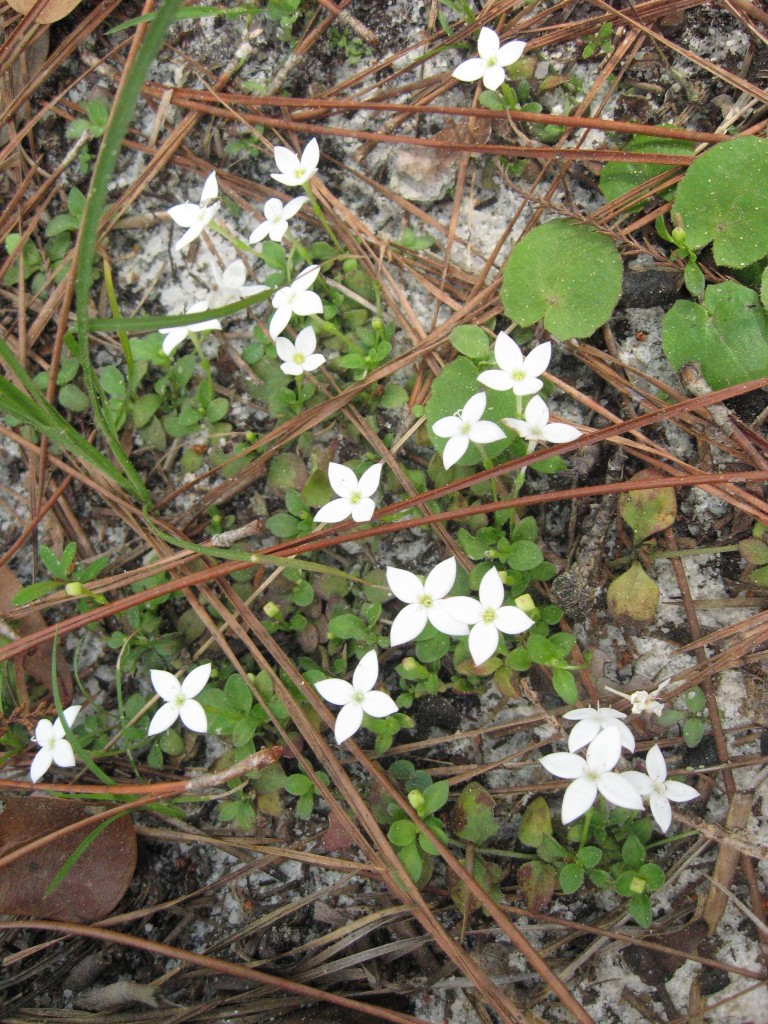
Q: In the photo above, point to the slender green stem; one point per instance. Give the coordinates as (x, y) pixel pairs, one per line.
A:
(717, 549)
(321, 216)
(585, 828)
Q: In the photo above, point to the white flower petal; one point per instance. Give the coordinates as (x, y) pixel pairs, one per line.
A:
(307, 304)
(494, 77)
(370, 480)
(63, 754)
(604, 751)
(307, 277)
(166, 686)
(577, 799)
(335, 691)
(189, 235)
(286, 160)
(640, 781)
(334, 511)
(483, 642)
(44, 732)
(511, 52)
(537, 360)
(447, 426)
(69, 715)
(280, 319)
(407, 624)
(378, 704)
(527, 386)
(441, 578)
(163, 719)
(185, 214)
(310, 158)
(469, 70)
(680, 792)
(661, 809)
(210, 189)
(293, 206)
(306, 341)
(196, 680)
(474, 408)
(342, 479)
(507, 353)
(512, 620)
(285, 348)
(313, 362)
(564, 766)
(487, 43)
(446, 623)
(366, 674)
(193, 716)
(582, 734)
(618, 791)
(655, 764)
(496, 380)
(518, 426)
(464, 609)
(485, 432)
(454, 449)
(348, 721)
(362, 511)
(41, 762)
(560, 433)
(491, 590)
(406, 586)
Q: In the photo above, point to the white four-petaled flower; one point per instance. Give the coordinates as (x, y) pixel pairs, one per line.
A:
(492, 59)
(465, 426)
(536, 428)
(231, 283)
(488, 616)
(655, 786)
(591, 722)
(592, 775)
(195, 217)
(641, 701)
(276, 220)
(517, 373)
(355, 497)
(175, 335)
(299, 356)
(179, 700)
(296, 170)
(357, 698)
(54, 746)
(424, 602)
(295, 298)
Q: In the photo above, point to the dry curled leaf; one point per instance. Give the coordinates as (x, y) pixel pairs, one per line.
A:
(54, 10)
(94, 884)
(633, 598)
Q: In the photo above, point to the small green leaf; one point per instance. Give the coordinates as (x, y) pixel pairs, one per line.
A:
(523, 555)
(640, 909)
(298, 785)
(435, 797)
(727, 334)
(402, 832)
(633, 598)
(144, 409)
(535, 823)
(537, 883)
(633, 852)
(693, 731)
(571, 878)
(410, 858)
(238, 694)
(695, 700)
(34, 591)
(564, 685)
(723, 199)
(72, 398)
(565, 275)
(648, 511)
(347, 627)
(589, 856)
(472, 816)
(470, 341)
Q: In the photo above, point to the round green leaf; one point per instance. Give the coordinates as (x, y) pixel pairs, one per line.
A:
(72, 398)
(470, 341)
(693, 732)
(723, 199)
(564, 274)
(571, 878)
(727, 335)
(524, 554)
(402, 832)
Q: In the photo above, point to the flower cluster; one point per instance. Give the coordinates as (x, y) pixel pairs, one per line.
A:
(427, 601)
(603, 732)
(295, 299)
(522, 376)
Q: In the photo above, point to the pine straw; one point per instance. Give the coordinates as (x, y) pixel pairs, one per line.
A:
(351, 964)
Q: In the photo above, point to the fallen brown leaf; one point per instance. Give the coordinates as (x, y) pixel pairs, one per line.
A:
(94, 884)
(54, 10)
